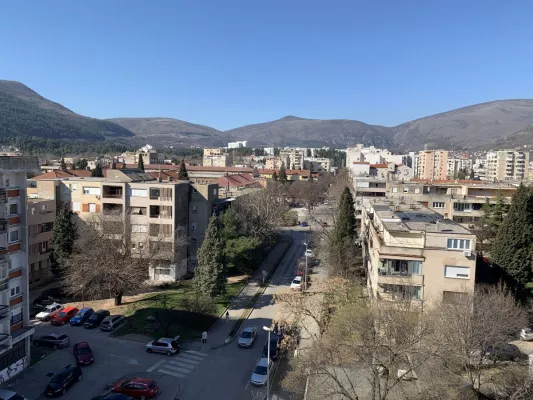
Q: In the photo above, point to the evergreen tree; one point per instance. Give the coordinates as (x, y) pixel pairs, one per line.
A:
(229, 225)
(64, 234)
(211, 275)
(472, 176)
(73, 166)
(97, 172)
(512, 248)
(282, 173)
(140, 163)
(53, 264)
(183, 175)
(308, 152)
(63, 165)
(345, 226)
(275, 176)
(123, 164)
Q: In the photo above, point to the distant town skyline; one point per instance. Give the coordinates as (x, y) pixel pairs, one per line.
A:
(236, 63)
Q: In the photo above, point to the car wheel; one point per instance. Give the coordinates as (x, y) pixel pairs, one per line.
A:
(149, 350)
(79, 377)
(169, 353)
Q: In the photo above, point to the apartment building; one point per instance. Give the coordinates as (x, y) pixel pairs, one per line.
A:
(458, 164)
(459, 201)
(317, 164)
(149, 155)
(295, 158)
(215, 158)
(15, 330)
(503, 165)
(237, 145)
(432, 164)
(413, 253)
(273, 163)
(40, 216)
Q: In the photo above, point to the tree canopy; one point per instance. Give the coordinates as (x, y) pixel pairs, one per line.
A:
(140, 163)
(64, 234)
(183, 175)
(211, 273)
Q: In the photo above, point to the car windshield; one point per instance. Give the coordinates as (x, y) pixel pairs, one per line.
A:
(246, 334)
(260, 370)
(62, 314)
(80, 313)
(528, 331)
(84, 350)
(62, 337)
(58, 378)
(297, 281)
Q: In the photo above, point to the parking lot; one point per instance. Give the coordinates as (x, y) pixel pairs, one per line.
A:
(114, 359)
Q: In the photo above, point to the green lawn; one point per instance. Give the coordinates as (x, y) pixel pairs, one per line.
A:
(186, 324)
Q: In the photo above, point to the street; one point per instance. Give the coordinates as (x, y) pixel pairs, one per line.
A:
(198, 372)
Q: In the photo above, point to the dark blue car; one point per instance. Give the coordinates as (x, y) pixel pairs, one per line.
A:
(81, 316)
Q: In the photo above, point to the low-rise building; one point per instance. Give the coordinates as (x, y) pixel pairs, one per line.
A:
(216, 160)
(413, 253)
(237, 145)
(317, 164)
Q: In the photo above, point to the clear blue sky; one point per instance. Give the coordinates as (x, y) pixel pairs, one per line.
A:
(228, 63)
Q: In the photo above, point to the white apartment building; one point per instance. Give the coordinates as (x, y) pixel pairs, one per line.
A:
(220, 160)
(15, 329)
(317, 164)
(413, 253)
(237, 145)
(502, 165)
(295, 158)
(373, 155)
(457, 164)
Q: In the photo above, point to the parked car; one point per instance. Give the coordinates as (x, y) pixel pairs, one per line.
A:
(55, 339)
(505, 352)
(64, 316)
(137, 388)
(60, 382)
(112, 396)
(247, 337)
(309, 253)
(274, 340)
(526, 334)
(166, 346)
(111, 322)
(260, 372)
(94, 320)
(83, 353)
(49, 312)
(81, 316)
(297, 282)
(9, 395)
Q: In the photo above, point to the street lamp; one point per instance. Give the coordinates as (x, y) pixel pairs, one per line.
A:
(266, 328)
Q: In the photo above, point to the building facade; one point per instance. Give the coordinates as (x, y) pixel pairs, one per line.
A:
(40, 215)
(413, 253)
(294, 157)
(216, 160)
(503, 165)
(458, 164)
(15, 329)
(432, 164)
(237, 145)
(317, 164)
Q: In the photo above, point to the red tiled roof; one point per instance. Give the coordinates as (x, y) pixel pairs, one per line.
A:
(82, 173)
(236, 180)
(59, 174)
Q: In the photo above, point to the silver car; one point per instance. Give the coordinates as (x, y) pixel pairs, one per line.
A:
(166, 346)
(111, 322)
(247, 337)
(260, 373)
(526, 334)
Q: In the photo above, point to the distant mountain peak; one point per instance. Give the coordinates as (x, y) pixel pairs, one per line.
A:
(291, 118)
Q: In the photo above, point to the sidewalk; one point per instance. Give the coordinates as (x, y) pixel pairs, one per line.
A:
(222, 328)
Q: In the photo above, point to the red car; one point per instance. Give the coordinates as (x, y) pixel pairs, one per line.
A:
(64, 316)
(144, 388)
(83, 353)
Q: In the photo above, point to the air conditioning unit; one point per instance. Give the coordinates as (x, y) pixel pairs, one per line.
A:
(467, 253)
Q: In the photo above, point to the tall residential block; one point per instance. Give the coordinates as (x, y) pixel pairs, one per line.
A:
(503, 165)
(294, 157)
(432, 164)
(15, 330)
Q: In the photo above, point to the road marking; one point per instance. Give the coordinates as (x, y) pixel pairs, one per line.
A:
(192, 357)
(189, 361)
(131, 361)
(173, 368)
(156, 365)
(164, 371)
(183, 365)
(197, 353)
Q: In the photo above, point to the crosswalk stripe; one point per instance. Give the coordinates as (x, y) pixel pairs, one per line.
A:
(181, 364)
(164, 371)
(197, 353)
(156, 365)
(192, 357)
(188, 361)
(173, 368)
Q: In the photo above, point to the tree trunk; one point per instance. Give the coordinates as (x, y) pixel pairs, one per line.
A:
(118, 299)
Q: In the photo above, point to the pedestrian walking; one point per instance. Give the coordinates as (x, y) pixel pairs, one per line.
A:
(227, 316)
(204, 337)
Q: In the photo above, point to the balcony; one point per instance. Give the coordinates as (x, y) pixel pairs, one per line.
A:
(160, 212)
(112, 209)
(400, 272)
(4, 287)
(161, 194)
(392, 292)
(3, 196)
(112, 192)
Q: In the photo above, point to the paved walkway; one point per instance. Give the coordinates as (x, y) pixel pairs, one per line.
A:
(222, 328)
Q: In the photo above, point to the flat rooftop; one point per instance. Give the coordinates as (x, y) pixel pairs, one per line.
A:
(399, 217)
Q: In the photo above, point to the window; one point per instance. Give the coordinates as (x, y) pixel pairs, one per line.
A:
(193, 209)
(13, 209)
(7, 182)
(15, 291)
(417, 190)
(14, 236)
(16, 316)
(91, 190)
(139, 193)
(438, 204)
(33, 211)
(394, 190)
(406, 190)
(137, 228)
(92, 207)
(457, 272)
(43, 207)
(465, 207)
(215, 191)
(76, 206)
(193, 226)
(459, 244)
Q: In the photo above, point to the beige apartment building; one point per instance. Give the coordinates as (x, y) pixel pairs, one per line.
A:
(15, 329)
(40, 216)
(317, 164)
(294, 158)
(413, 253)
(432, 164)
(215, 158)
(273, 163)
(504, 165)
(149, 157)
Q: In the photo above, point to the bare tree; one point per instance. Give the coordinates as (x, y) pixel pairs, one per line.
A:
(513, 383)
(473, 329)
(109, 259)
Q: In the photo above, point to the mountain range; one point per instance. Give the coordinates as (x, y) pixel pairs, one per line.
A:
(502, 123)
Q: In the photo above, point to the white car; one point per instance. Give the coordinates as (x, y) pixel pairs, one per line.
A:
(526, 334)
(261, 372)
(297, 283)
(49, 312)
(309, 253)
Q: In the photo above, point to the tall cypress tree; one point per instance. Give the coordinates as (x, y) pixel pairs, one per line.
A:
(211, 275)
(345, 227)
(140, 163)
(63, 165)
(183, 175)
(275, 176)
(282, 173)
(512, 248)
(64, 234)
